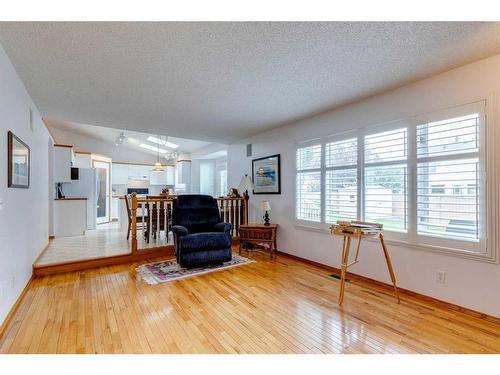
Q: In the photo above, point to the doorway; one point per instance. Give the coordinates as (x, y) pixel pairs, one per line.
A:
(103, 169)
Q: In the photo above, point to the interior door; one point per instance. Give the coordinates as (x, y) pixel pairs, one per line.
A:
(103, 194)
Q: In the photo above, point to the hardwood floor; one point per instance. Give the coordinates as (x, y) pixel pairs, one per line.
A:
(280, 306)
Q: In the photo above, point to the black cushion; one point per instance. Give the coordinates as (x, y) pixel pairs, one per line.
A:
(205, 241)
(198, 213)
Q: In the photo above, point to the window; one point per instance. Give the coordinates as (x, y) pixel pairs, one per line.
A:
(420, 177)
(221, 176)
(308, 183)
(457, 189)
(437, 189)
(341, 180)
(447, 157)
(386, 179)
(471, 189)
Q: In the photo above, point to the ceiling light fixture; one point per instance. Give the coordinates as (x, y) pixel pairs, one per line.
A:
(120, 139)
(158, 167)
(153, 148)
(162, 142)
(171, 155)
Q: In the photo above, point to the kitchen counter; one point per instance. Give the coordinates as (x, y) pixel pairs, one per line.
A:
(71, 199)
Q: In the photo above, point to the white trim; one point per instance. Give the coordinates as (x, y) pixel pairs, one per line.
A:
(389, 239)
(489, 160)
(443, 241)
(491, 195)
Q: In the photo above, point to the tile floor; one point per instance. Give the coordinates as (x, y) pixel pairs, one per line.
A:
(107, 240)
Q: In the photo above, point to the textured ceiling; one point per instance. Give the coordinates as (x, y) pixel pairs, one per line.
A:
(225, 81)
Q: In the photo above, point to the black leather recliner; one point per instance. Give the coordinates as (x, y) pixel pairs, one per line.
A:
(200, 238)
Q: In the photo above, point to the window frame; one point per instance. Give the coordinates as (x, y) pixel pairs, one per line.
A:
(302, 222)
(339, 138)
(394, 234)
(480, 247)
(486, 249)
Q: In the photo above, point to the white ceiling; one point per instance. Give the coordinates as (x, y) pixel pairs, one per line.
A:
(134, 138)
(225, 81)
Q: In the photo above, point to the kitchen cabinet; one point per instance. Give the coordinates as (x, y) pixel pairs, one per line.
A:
(120, 174)
(115, 208)
(83, 160)
(123, 173)
(170, 175)
(139, 172)
(158, 178)
(62, 162)
(145, 172)
(166, 177)
(183, 176)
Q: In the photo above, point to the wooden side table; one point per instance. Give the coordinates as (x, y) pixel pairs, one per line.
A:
(259, 234)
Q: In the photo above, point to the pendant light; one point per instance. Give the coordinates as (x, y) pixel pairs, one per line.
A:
(158, 167)
(120, 139)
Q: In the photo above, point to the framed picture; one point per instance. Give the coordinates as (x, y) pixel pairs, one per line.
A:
(18, 159)
(266, 175)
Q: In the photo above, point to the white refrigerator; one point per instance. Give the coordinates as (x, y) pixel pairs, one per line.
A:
(86, 186)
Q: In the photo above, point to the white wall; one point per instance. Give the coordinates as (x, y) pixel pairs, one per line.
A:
(469, 283)
(98, 146)
(195, 176)
(24, 219)
(204, 176)
(207, 177)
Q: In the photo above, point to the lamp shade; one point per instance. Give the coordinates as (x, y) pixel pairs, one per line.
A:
(245, 184)
(265, 206)
(157, 168)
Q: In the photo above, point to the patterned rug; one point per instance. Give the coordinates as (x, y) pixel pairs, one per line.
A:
(155, 273)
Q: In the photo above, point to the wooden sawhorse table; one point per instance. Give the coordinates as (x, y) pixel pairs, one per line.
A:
(360, 230)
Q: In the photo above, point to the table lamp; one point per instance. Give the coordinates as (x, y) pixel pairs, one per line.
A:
(265, 206)
(245, 185)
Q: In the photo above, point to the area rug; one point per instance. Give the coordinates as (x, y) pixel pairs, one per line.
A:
(155, 273)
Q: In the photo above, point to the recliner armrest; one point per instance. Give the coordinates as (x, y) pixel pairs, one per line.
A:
(223, 227)
(179, 230)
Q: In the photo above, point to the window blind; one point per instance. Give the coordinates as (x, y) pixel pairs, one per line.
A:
(386, 146)
(448, 178)
(308, 190)
(341, 180)
(308, 183)
(422, 177)
(309, 157)
(385, 184)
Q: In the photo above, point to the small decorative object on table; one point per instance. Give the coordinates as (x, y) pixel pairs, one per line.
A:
(233, 193)
(266, 207)
(359, 229)
(259, 234)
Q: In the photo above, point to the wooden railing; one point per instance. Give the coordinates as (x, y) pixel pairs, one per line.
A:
(152, 219)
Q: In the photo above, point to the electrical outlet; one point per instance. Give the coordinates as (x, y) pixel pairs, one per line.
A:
(441, 277)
